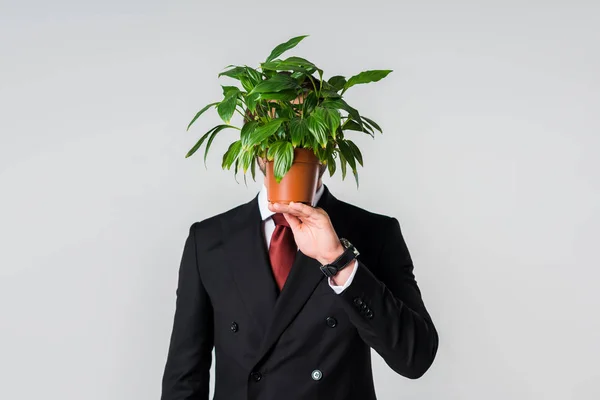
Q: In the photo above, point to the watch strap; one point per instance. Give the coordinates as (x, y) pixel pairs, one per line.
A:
(333, 268)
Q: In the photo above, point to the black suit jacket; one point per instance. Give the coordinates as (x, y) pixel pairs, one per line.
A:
(306, 342)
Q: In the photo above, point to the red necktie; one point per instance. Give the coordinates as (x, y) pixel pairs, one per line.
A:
(282, 249)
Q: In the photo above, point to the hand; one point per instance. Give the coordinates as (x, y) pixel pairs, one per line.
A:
(313, 231)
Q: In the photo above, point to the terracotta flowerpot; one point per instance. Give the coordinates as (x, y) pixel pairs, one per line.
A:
(299, 183)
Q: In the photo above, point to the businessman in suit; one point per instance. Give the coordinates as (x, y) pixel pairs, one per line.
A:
(251, 286)
(292, 298)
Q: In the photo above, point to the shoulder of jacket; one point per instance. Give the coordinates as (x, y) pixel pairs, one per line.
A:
(212, 225)
(364, 215)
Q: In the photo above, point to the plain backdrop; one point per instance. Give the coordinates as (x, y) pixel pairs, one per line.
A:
(489, 159)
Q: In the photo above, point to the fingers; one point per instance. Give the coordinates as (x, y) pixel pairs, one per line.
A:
(293, 221)
(299, 210)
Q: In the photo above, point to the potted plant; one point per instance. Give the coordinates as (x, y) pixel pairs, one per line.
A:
(291, 118)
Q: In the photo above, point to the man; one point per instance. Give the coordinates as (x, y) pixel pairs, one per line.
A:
(251, 286)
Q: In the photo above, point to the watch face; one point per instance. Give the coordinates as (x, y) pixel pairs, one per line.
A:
(345, 242)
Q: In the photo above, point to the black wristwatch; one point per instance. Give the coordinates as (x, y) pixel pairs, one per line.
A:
(349, 254)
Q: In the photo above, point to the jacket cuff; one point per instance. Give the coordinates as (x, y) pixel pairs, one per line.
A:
(339, 289)
(363, 293)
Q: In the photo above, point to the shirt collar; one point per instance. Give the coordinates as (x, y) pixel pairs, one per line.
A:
(263, 202)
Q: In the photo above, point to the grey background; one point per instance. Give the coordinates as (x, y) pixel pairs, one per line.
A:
(489, 159)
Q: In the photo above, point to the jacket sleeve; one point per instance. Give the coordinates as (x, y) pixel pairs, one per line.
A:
(384, 303)
(187, 369)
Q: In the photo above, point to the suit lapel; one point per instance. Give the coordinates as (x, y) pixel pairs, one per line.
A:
(304, 277)
(246, 255)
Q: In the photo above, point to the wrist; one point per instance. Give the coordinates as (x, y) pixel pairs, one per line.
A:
(342, 276)
(333, 255)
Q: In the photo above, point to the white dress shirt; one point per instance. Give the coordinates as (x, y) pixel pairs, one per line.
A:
(269, 227)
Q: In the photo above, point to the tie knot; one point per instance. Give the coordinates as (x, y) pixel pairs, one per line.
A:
(279, 219)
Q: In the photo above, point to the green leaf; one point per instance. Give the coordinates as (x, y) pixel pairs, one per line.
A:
(347, 153)
(326, 86)
(329, 150)
(300, 61)
(208, 143)
(251, 101)
(320, 153)
(235, 72)
(263, 146)
(355, 151)
(285, 95)
(331, 166)
(230, 90)
(199, 113)
(226, 107)
(246, 159)
(351, 111)
(247, 130)
(368, 129)
(342, 105)
(372, 123)
(351, 125)
(338, 82)
(277, 83)
(309, 103)
(308, 79)
(246, 83)
(273, 149)
(299, 130)
(235, 168)
(268, 74)
(283, 110)
(343, 163)
(283, 47)
(281, 66)
(332, 118)
(231, 154)
(204, 137)
(264, 131)
(212, 136)
(254, 75)
(253, 169)
(329, 94)
(295, 64)
(281, 132)
(317, 125)
(283, 158)
(366, 77)
(310, 142)
(333, 103)
(199, 143)
(271, 65)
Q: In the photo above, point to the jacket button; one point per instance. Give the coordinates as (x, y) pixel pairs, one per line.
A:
(234, 327)
(358, 301)
(316, 375)
(369, 314)
(257, 376)
(363, 307)
(331, 322)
